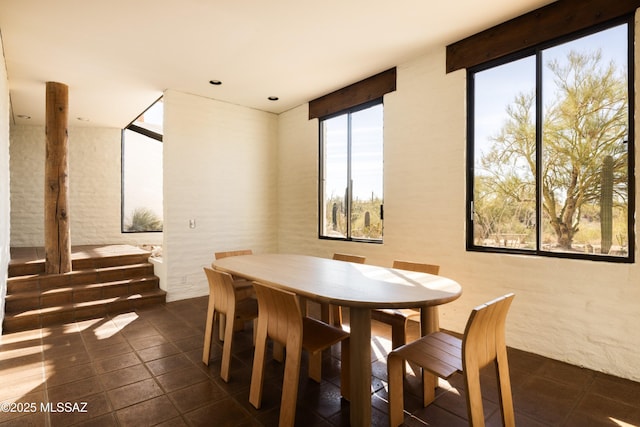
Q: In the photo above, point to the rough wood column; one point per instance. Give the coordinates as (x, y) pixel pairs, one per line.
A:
(57, 243)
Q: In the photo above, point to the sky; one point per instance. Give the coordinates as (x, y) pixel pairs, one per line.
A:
(497, 87)
(367, 153)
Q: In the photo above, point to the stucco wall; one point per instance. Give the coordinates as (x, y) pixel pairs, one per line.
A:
(582, 312)
(4, 182)
(94, 187)
(220, 169)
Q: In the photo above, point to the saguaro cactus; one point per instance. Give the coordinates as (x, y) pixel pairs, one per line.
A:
(606, 205)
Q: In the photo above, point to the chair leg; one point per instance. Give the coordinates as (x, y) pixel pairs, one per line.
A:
(315, 366)
(303, 305)
(336, 316)
(429, 384)
(208, 332)
(222, 322)
(325, 313)
(238, 326)
(474, 395)
(255, 330)
(345, 368)
(226, 348)
(257, 372)
(396, 392)
(290, 384)
(278, 352)
(504, 386)
(398, 334)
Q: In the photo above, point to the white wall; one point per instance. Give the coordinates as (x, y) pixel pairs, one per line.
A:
(220, 168)
(94, 187)
(4, 182)
(582, 312)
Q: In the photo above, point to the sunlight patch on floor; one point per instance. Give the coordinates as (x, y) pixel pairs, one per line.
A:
(621, 423)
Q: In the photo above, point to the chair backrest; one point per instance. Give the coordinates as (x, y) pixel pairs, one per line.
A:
(222, 289)
(484, 335)
(416, 266)
(349, 258)
(220, 255)
(282, 311)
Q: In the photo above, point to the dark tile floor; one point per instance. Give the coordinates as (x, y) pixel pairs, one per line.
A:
(144, 368)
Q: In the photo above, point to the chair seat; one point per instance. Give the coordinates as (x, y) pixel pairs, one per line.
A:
(243, 289)
(398, 318)
(394, 314)
(438, 352)
(318, 335)
(246, 309)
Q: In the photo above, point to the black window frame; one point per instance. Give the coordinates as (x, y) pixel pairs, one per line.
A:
(321, 169)
(535, 51)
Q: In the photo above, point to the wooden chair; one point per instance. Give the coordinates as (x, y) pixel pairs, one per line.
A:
(335, 316)
(225, 254)
(243, 287)
(281, 320)
(398, 319)
(223, 300)
(442, 354)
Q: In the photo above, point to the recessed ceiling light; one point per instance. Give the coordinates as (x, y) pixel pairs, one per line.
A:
(273, 98)
(215, 82)
(24, 116)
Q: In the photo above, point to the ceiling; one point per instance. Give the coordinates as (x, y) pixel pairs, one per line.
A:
(118, 56)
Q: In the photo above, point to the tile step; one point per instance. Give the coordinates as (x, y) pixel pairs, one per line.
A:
(44, 282)
(18, 301)
(70, 312)
(38, 266)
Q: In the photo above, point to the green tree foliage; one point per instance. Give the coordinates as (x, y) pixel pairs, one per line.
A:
(583, 124)
(144, 219)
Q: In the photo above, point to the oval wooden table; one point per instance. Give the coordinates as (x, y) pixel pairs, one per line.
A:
(360, 287)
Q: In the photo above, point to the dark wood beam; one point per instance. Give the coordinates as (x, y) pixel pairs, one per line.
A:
(57, 243)
(353, 95)
(541, 25)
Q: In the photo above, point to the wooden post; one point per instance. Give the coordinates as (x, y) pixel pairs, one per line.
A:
(57, 243)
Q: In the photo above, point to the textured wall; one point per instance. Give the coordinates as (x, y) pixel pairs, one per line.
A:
(582, 312)
(220, 166)
(4, 182)
(94, 187)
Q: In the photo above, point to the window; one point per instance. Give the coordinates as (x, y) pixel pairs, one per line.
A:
(550, 151)
(351, 158)
(142, 172)
(351, 174)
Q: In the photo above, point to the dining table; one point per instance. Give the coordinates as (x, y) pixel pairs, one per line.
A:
(361, 288)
